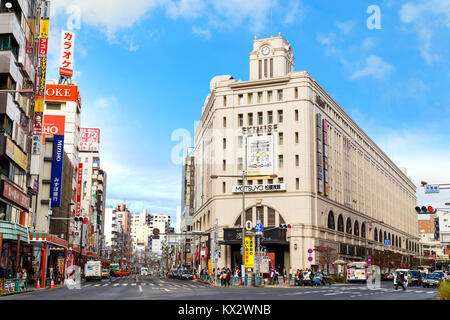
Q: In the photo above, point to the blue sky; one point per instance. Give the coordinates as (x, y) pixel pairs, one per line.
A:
(144, 69)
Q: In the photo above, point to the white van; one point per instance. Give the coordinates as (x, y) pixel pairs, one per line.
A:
(144, 271)
(406, 273)
(93, 270)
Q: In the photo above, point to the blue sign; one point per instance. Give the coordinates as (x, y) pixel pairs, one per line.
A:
(57, 167)
(309, 251)
(309, 259)
(387, 242)
(432, 188)
(259, 227)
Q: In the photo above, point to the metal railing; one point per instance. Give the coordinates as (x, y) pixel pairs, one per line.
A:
(13, 285)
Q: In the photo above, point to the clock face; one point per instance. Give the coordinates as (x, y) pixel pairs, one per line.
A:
(265, 50)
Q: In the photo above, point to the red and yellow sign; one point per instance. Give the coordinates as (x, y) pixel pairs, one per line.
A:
(209, 267)
(15, 195)
(54, 92)
(249, 252)
(45, 26)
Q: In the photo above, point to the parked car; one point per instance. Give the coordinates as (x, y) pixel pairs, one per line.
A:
(415, 278)
(389, 276)
(440, 273)
(324, 278)
(173, 274)
(144, 271)
(431, 280)
(186, 275)
(105, 274)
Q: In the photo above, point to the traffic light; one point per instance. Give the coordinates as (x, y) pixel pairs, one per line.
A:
(425, 210)
(436, 228)
(81, 219)
(285, 226)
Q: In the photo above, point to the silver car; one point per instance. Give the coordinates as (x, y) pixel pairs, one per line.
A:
(431, 280)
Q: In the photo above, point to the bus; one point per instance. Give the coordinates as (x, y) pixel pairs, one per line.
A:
(114, 267)
(357, 271)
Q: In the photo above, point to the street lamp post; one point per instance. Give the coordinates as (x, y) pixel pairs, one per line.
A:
(244, 177)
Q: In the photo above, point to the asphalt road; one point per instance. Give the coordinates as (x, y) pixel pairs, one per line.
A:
(155, 288)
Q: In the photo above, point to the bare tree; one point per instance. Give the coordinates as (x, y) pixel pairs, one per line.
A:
(327, 255)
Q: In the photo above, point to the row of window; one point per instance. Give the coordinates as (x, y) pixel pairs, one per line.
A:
(258, 97)
(260, 118)
(379, 235)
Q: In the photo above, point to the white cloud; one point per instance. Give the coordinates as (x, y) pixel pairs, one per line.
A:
(295, 12)
(426, 17)
(346, 26)
(108, 15)
(202, 33)
(375, 67)
(326, 40)
(185, 8)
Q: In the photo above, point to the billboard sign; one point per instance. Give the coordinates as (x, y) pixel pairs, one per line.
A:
(15, 195)
(89, 139)
(67, 45)
(43, 46)
(260, 154)
(249, 254)
(432, 188)
(15, 154)
(57, 166)
(79, 181)
(53, 125)
(55, 92)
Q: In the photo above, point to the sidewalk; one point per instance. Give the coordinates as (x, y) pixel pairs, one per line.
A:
(33, 289)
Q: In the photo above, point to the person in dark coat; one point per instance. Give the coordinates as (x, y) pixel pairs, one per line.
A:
(311, 278)
(400, 281)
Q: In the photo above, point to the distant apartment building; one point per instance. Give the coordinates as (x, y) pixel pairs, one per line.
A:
(434, 235)
(140, 230)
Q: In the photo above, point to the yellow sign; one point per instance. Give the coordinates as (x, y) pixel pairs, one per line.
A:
(16, 154)
(209, 266)
(39, 105)
(249, 252)
(45, 25)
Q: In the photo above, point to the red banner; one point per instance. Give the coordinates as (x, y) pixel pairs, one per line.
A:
(80, 176)
(43, 46)
(15, 195)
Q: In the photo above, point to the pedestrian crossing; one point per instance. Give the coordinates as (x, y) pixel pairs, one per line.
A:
(162, 285)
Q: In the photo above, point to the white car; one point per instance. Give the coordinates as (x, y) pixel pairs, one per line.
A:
(144, 271)
(406, 273)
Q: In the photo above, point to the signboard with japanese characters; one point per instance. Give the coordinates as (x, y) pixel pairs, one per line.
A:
(89, 139)
(67, 46)
(43, 46)
(57, 167)
(53, 125)
(79, 181)
(260, 188)
(15, 195)
(249, 251)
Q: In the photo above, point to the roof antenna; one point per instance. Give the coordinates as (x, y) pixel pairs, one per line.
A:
(271, 23)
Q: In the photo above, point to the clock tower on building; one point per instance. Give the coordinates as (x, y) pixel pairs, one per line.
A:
(271, 58)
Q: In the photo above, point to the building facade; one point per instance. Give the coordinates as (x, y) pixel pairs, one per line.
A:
(334, 185)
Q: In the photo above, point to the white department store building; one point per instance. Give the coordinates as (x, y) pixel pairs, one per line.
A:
(335, 186)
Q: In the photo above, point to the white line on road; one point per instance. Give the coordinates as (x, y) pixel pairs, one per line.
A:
(166, 289)
(133, 284)
(125, 284)
(116, 284)
(140, 289)
(96, 285)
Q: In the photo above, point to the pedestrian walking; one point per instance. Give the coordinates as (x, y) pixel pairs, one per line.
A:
(400, 281)
(311, 278)
(227, 282)
(276, 277)
(284, 275)
(24, 278)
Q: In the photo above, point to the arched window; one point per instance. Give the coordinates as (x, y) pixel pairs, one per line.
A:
(349, 226)
(363, 230)
(331, 224)
(271, 216)
(384, 236)
(400, 242)
(340, 223)
(380, 238)
(375, 235)
(356, 228)
(396, 241)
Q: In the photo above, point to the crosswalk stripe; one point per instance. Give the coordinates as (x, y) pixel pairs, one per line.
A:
(96, 285)
(133, 284)
(106, 284)
(116, 284)
(124, 284)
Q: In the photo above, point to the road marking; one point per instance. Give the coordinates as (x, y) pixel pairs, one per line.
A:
(116, 284)
(166, 289)
(124, 284)
(140, 289)
(133, 284)
(96, 285)
(88, 285)
(106, 284)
